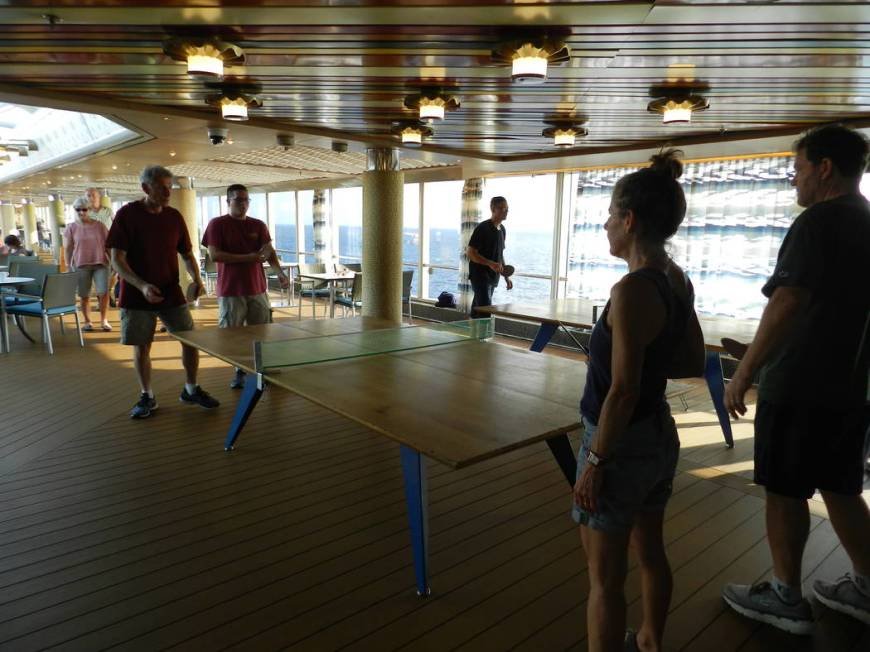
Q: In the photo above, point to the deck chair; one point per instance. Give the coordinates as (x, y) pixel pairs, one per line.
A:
(407, 278)
(35, 270)
(353, 301)
(310, 288)
(58, 298)
(29, 293)
(344, 287)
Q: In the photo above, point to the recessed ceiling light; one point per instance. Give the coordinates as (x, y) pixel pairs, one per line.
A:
(172, 153)
(114, 167)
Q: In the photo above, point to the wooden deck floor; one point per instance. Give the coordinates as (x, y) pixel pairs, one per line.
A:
(145, 535)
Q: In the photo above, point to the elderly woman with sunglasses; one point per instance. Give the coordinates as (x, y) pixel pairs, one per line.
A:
(85, 252)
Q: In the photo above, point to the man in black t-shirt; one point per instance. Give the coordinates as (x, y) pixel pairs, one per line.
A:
(486, 255)
(812, 352)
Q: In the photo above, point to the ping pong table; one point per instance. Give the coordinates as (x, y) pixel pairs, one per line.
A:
(440, 390)
(582, 313)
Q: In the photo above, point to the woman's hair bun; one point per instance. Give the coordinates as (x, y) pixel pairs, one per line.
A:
(667, 162)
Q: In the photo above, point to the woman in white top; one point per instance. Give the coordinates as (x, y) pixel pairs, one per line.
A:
(85, 252)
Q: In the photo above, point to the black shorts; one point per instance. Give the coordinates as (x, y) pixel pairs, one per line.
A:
(800, 449)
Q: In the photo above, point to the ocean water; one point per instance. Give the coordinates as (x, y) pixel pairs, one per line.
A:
(744, 252)
(532, 249)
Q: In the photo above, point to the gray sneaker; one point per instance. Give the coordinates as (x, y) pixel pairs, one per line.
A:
(844, 596)
(762, 603)
(144, 407)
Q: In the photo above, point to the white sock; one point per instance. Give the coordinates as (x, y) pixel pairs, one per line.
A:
(190, 388)
(149, 392)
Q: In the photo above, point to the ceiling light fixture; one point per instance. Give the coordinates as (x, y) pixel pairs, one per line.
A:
(431, 104)
(205, 57)
(234, 105)
(530, 57)
(676, 103)
(565, 134)
(412, 133)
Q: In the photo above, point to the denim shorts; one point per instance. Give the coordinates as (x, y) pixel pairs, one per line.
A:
(638, 476)
(93, 275)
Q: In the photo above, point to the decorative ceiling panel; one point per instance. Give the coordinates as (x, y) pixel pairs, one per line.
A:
(345, 66)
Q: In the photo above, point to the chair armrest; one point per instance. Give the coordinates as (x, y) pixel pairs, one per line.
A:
(21, 295)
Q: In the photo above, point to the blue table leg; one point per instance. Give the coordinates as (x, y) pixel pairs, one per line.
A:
(545, 332)
(250, 397)
(560, 446)
(414, 470)
(716, 385)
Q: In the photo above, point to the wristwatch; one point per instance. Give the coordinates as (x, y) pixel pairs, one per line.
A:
(595, 459)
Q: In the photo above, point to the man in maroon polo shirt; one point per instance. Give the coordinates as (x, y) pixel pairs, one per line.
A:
(145, 241)
(240, 244)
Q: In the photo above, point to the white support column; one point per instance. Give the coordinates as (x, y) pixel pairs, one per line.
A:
(7, 218)
(28, 213)
(183, 199)
(56, 225)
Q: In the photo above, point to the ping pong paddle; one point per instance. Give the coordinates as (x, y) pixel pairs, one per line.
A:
(507, 271)
(192, 294)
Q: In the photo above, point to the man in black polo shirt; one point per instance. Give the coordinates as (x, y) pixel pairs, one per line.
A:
(486, 255)
(813, 354)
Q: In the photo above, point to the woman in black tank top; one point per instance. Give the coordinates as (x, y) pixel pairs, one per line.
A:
(648, 333)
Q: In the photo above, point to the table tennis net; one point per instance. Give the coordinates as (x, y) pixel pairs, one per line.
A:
(276, 354)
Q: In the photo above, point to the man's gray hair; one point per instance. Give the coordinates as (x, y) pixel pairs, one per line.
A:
(154, 172)
(81, 202)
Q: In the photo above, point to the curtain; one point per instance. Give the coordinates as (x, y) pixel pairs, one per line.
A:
(738, 212)
(321, 231)
(472, 192)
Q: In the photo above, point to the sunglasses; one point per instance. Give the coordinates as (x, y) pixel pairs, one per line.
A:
(81, 210)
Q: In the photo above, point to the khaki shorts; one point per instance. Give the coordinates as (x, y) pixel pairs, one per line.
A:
(137, 326)
(238, 311)
(96, 275)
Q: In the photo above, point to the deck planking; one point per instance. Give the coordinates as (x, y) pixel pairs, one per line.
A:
(146, 536)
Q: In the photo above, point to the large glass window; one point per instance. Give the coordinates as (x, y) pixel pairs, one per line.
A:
(306, 223)
(738, 212)
(411, 234)
(282, 217)
(529, 227)
(213, 207)
(257, 207)
(347, 221)
(442, 210)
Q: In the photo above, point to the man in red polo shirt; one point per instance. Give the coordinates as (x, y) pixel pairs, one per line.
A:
(240, 244)
(145, 241)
